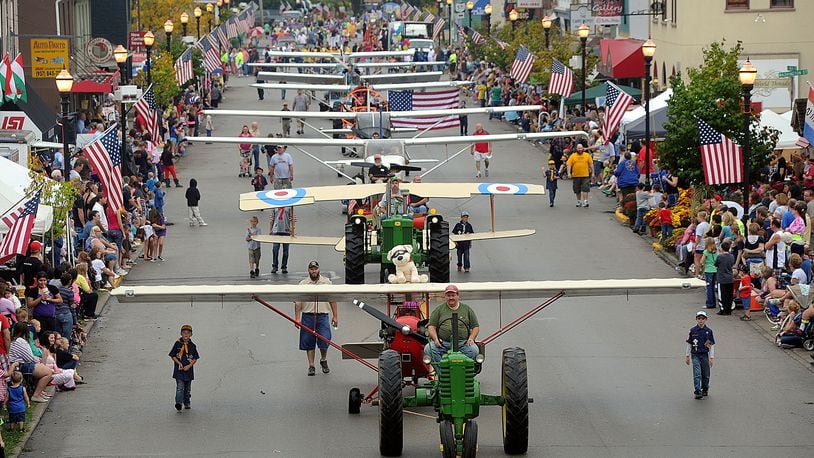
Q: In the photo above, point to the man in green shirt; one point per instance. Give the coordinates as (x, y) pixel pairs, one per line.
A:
(440, 327)
(494, 100)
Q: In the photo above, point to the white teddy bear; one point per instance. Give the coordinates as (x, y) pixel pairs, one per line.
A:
(406, 271)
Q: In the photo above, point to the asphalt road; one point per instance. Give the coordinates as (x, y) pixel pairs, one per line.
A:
(607, 374)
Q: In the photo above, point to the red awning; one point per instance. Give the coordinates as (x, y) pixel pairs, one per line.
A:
(98, 83)
(622, 58)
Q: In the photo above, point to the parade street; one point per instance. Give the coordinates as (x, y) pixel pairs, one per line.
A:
(607, 374)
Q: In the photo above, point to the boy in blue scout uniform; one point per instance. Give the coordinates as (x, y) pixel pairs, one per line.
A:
(701, 351)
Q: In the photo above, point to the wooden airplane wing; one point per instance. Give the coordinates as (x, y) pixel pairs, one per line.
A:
(304, 86)
(297, 240)
(419, 86)
(310, 78)
(492, 235)
(347, 142)
(294, 65)
(377, 293)
(416, 77)
(398, 64)
(284, 114)
(275, 198)
(466, 190)
(492, 138)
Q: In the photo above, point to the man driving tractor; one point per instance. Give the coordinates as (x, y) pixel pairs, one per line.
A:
(440, 327)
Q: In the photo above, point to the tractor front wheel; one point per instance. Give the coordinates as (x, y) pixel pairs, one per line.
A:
(354, 254)
(391, 416)
(515, 392)
(439, 252)
(448, 447)
(470, 439)
(354, 400)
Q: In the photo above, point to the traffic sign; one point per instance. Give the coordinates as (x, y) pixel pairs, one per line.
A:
(791, 73)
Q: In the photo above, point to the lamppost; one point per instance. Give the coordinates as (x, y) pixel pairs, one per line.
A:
(168, 26)
(210, 9)
(470, 5)
(583, 32)
(64, 84)
(547, 29)
(184, 21)
(513, 15)
(648, 49)
(449, 19)
(120, 55)
(747, 75)
(488, 11)
(149, 41)
(197, 12)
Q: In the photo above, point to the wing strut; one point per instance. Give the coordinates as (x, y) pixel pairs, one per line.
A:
(444, 162)
(324, 163)
(491, 337)
(492, 210)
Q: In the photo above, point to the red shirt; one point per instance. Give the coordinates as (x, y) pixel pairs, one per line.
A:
(482, 147)
(666, 216)
(746, 280)
(3, 325)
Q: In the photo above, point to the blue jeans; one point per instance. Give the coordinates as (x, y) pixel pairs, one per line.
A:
(275, 252)
(712, 302)
(463, 257)
(552, 194)
(666, 232)
(672, 200)
(639, 224)
(183, 391)
(256, 154)
(436, 353)
(700, 372)
(64, 324)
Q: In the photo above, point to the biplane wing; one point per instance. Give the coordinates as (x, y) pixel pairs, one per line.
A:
(411, 78)
(317, 65)
(298, 240)
(492, 235)
(341, 56)
(355, 114)
(398, 64)
(375, 293)
(348, 88)
(276, 198)
(310, 78)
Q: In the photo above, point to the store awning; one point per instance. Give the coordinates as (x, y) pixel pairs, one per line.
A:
(96, 83)
(622, 58)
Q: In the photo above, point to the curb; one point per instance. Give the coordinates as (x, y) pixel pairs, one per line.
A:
(39, 409)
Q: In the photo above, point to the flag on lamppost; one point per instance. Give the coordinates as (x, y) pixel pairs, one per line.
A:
(22, 224)
(147, 110)
(616, 103)
(721, 158)
(522, 65)
(562, 79)
(105, 158)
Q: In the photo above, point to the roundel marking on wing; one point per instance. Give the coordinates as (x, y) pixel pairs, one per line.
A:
(502, 188)
(282, 196)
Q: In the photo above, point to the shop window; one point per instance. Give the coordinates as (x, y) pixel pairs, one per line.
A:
(782, 4)
(737, 4)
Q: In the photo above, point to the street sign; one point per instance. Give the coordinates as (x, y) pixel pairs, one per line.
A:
(791, 73)
(136, 40)
(791, 68)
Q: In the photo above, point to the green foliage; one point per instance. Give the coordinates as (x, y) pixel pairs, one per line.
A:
(713, 94)
(59, 195)
(164, 85)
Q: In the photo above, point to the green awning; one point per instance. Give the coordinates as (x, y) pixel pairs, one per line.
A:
(600, 91)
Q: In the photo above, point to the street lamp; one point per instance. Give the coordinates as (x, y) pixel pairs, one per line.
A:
(547, 29)
(583, 32)
(747, 75)
(449, 19)
(168, 26)
(197, 12)
(209, 9)
(470, 5)
(184, 20)
(149, 41)
(220, 3)
(513, 15)
(440, 14)
(648, 49)
(488, 11)
(120, 55)
(64, 84)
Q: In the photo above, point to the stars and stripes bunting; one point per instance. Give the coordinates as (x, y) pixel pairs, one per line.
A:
(522, 65)
(721, 158)
(616, 103)
(183, 68)
(562, 79)
(105, 158)
(16, 240)
(429, 100)
(438, 27)
(146, 109)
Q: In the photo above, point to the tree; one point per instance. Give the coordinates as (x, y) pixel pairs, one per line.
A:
(164, 85)
(713, 94)
(154, 13)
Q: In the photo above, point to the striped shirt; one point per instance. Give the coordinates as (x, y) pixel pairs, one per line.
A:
(20, 352)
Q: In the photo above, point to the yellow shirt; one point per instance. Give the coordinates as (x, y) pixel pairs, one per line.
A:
(83, 284)
(581, 164)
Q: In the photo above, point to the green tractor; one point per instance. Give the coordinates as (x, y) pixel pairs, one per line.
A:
(455, 394)
(368, 241)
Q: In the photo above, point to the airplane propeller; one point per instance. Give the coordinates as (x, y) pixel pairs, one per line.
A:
(403, 328)
(393, 167)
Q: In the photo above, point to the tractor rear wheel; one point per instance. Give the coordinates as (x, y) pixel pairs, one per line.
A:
(354, 400)
(354, 254)
(470, 439)
(515, 392)
(448, 447)
(391, 416)
(439, 252)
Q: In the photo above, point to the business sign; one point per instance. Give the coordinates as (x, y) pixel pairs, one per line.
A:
(99, 51)
(49, 56)
(581, 13)
(18, 120)
(136, 40)
(607, 12)
(529, 3)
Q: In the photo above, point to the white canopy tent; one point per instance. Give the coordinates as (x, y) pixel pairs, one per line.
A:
(788, 137)
(13, 181)
(637, 113)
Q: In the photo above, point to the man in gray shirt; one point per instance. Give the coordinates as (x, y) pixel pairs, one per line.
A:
(282, 168)
(724, 263)
(301, 103)
(280, 224)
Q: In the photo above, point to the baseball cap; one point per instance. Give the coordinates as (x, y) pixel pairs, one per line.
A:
(701, 313)
(377, 156)
(186, 327)
(464, 213)
(395, 179)
(313, 264)
(36, 245)
(551, 163)
(451, 288)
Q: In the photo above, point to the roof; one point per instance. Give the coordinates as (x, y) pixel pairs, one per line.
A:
(621, 58)
(96, 83)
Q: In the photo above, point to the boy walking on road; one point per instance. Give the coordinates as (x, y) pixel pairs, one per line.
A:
(551, 178)
(463, 246)
(701, 353)
(184, 354)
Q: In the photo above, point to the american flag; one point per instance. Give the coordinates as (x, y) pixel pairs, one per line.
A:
(105, 158)
(522, 65)
(183, 68)
(616, 103)
(10, 216)
(477, 38)
(721, 158)
(406, 10)
(231, 28)
(438, 27)
(417, 14)
(461, 33)
(146, 108)
(430, 100)
(429, 17)
(500, 43)
(211, 59)
(224, 41)
(562, 79)
(18, 236)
